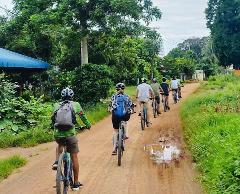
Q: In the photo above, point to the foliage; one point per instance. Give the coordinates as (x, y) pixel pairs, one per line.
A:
(211, 126)
(223, 19)
(8, 165)
(91, 83)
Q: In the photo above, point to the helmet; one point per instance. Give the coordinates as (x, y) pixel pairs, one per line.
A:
(154, 80)
(120, 86)
(144, 79)
(67, 92)
(164, 79)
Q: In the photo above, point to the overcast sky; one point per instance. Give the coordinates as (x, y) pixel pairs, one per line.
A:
(181, 19)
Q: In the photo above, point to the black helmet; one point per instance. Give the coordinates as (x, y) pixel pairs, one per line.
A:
(164, 79)
(120, 86)
(67, 93)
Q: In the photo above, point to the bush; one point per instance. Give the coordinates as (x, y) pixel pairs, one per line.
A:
(91, 83)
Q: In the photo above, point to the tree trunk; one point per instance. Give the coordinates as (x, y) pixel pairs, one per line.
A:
(84, 51)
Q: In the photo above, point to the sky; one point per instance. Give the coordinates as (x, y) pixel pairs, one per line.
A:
(181, 19)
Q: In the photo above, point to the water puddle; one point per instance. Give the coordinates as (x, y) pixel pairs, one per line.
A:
(163, 152)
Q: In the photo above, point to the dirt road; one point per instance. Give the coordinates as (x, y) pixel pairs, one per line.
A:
(98, 168)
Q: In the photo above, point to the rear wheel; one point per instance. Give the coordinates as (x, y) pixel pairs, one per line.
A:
(143, 119)
(60, 178)
(120, 146)
(155, 108)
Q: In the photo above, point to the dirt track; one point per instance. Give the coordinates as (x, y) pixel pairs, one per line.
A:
(98, 168)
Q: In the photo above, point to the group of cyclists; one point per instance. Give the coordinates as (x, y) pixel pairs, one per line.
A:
(121, 107)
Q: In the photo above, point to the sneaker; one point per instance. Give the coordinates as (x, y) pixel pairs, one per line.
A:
(114, 152)
(55, 165)
(76, 186)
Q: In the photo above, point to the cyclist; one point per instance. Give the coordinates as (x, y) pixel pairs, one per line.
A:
(156, 90)
(144, 94)
(165, 91)
(120, 106)
(64, 135)
(179, 89)
(175, 85)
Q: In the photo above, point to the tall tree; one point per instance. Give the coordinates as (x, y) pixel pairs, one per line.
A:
(87, 16)
(223, 19)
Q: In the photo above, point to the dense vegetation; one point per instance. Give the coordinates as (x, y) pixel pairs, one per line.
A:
(211, 126)
(190, 55)
(8, 165)
(223, 19)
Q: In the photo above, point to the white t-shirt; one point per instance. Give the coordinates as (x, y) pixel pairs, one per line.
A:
(174, 84)
(144, 92)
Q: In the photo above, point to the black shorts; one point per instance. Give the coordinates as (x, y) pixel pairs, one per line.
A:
(71, 143)
(116, 121)
(157, 98)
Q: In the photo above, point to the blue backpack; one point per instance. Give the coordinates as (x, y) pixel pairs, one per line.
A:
(121, 109)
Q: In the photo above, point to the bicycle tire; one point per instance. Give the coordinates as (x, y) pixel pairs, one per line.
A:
(120, 144)
(60, 175)
(154, 109)
(143, 119)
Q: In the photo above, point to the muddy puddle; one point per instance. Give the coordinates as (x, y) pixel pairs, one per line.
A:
(164, 151)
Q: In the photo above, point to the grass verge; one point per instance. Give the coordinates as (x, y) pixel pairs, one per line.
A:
(7, 166)
(212, 131)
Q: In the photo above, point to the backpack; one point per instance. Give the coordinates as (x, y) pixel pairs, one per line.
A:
(64, 116)
(121, 109)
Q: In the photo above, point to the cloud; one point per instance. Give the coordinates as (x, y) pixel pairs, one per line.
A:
(181, 19)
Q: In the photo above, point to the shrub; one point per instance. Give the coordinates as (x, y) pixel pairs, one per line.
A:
(91, 83)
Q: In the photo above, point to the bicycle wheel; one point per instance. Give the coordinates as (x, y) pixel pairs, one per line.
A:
(120, 144)
(60, 177)
(143, 119)
(155, 108)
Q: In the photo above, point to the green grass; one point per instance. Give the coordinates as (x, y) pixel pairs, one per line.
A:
(42, 133)
(212, 131)
(7, 166)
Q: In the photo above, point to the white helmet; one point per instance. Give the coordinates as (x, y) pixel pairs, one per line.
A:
(67, 92)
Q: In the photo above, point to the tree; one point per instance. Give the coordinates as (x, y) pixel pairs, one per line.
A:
(223, 19)
(87, 16)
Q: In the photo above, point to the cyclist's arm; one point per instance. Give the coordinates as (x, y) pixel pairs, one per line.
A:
(137, 93)
(151, 92)
(82, 115)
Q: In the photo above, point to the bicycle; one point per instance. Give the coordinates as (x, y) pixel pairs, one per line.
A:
(165, 103)
(120, 142)
(64, 176)
(155, 105)
(144, 121)
(175, 96)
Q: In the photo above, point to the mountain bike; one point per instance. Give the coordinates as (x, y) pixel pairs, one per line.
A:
(165, 103)
(64, 176)
(175, 96)
(144, 121)
(155, 105)
(120, 142)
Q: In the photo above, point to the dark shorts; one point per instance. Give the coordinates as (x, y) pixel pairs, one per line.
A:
(157, 98)
(71, 143)
(116, 121)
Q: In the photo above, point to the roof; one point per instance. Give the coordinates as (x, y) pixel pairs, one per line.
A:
(9, 59)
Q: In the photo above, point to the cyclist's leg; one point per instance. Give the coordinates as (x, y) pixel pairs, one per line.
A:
(115, 123)
(59, 150)
(125, 123)
(158, 104)
(72, 148)
(147, 106)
